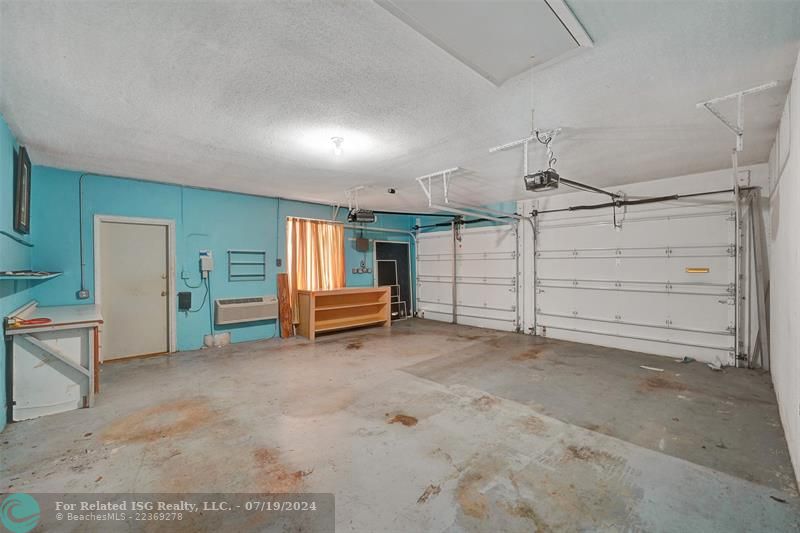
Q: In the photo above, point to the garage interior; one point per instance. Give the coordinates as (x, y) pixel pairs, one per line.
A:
(464, 266)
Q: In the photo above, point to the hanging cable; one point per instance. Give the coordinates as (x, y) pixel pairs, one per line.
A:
(547, 140)
(205, 297)
(210, 307)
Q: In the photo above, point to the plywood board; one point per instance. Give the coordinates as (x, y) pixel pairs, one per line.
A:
(284, 306)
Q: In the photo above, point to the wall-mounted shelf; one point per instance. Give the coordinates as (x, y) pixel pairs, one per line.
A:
(247, 265)
(27, 275)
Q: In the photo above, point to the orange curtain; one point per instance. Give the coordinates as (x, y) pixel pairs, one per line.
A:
(314, 256)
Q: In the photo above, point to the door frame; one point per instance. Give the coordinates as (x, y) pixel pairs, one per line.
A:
(170, 225)
(411, 286)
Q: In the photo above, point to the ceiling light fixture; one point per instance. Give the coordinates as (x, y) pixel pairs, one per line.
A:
(337, 146)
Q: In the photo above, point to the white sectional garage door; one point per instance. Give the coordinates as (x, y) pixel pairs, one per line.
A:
(486, 274)
(664, 283)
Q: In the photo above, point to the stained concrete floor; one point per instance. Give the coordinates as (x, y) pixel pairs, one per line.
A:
(432, 427)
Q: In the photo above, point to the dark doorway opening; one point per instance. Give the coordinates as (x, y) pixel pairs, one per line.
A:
(393, 268)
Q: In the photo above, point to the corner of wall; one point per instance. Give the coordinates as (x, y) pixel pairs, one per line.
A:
(13, 254)
(784, 263)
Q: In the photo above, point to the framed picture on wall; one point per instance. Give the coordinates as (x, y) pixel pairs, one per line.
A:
(22, 192)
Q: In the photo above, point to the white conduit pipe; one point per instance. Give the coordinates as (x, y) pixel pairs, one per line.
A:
(525, 159)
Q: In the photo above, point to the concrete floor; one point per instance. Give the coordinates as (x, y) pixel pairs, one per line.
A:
(432, 427)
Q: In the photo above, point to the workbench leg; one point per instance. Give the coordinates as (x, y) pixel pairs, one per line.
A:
(96, 356)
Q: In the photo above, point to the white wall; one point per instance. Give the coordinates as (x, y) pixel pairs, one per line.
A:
(784, 242)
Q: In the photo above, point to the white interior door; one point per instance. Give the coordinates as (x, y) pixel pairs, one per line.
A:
(133, 289)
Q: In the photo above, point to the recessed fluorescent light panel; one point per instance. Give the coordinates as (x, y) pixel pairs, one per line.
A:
(498, 40)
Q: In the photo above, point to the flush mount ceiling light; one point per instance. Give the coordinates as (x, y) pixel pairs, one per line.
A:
(337, 146)
(322, 142)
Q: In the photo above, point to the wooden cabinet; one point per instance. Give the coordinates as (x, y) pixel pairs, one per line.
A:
(338, 309)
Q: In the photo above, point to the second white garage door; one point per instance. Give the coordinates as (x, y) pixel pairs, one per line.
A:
(486, 273)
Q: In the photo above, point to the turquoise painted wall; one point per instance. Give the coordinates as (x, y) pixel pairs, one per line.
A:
(204, 219)
(13, 256)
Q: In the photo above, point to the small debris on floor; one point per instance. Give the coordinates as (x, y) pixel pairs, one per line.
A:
(676, 419)
(722, 446)
(654, 369)
(87, 434)
(431, 490)
(655, 383)
(686, 359)
(406, 420)
(485, 402)
(98, 479)
(780, 500)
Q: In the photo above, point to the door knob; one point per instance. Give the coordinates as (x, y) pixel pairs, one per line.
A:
(163, 293)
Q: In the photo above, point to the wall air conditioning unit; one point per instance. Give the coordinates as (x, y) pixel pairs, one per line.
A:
(238, 310)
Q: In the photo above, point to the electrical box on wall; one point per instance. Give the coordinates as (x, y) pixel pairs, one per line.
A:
(362, 244)
(206, 262)
(184, 301)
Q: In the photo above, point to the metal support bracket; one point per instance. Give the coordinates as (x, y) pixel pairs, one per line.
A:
(55, 354)
(737, 125)
(524, 142)
(428, 183)
(737, 128)
(352, 196)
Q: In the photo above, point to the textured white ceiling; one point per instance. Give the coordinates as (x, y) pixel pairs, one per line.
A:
(243, 95)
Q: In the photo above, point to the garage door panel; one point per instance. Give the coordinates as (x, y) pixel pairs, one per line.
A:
(486, 265)
(699, 225)
(437, 292)
(482, 320)
(492, 240)
(483, 296)
(436, 269)
(634, 287)
(435, 275)
(568, 301)
(639, 269)
(714, 314)
(702, 312)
